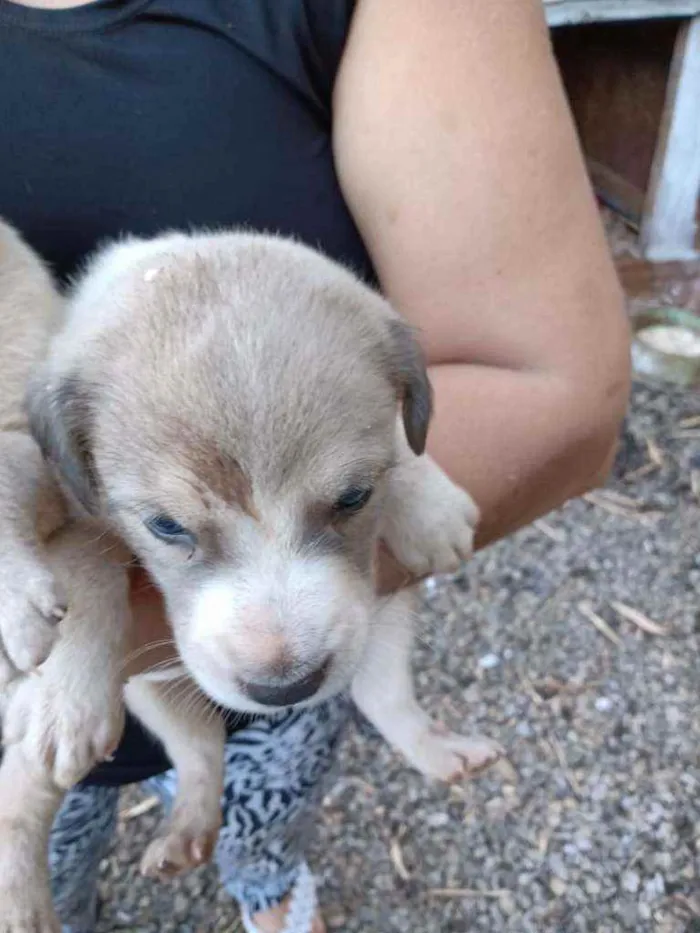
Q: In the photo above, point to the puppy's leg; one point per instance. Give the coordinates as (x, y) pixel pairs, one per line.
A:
(60, 721)
(383, 691)
(193, 734)
(428, 521)
(29, 801)
(69, 715)
(30, 601)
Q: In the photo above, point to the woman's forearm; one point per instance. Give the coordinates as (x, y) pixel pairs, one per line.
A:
(521, 443)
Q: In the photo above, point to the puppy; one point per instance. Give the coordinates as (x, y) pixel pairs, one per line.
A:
(226, 405)
(49, 734)
(32, 511)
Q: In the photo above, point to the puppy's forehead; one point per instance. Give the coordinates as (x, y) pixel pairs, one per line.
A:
(271, 358)
(183, 463)
(267, 300)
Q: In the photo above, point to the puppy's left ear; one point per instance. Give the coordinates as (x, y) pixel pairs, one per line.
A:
(410, 376)
(59, 413)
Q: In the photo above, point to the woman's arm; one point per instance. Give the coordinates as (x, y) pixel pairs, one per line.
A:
(457, 155)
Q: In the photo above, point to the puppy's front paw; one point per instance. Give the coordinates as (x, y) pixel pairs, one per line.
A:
(67, 724)
(25, 896)
(429, 521)
(31, 606)
(181, 848)
(447, 756)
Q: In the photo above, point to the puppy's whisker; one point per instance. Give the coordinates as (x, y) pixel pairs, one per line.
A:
(234, 717)
(214, 712)
(197, 703)
(172, 666)
(190, 699)
(150, 646)
(172, 690)
(172, 661)
(172, 685)
(176, 689)
(100, 537)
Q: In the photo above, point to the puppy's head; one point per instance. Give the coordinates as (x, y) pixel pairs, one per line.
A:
(230, 403)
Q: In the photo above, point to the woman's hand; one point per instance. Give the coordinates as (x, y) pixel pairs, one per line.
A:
(457, 154)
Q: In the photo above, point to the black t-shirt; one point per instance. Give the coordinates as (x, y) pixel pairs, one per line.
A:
(143, 115)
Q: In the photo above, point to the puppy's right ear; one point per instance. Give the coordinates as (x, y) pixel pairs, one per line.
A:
(60, 416)
(410, 375)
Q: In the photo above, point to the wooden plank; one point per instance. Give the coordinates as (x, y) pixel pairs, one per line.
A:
(572, 12)
(617, 192)
(616, 76)
(670, 226)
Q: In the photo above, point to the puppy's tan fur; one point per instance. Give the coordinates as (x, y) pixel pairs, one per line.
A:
(240, 384)
(30, 602)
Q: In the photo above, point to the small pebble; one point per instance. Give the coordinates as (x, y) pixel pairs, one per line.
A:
(655, 887)
(489, 661)
(436, 820)
(181, 905)
(556, 864)
(557, 887)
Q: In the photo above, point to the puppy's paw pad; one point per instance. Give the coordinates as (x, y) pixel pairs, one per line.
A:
(66, 732)
(446, 756)
(475, 753)
(433, 531)
(75, 752)
(171, 855)
(47, 596)
(31, 606)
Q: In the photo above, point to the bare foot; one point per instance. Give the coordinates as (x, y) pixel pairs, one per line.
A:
(272, 921)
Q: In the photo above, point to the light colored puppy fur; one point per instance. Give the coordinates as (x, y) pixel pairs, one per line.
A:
(239, 385)
(30, 602)
(52, 734)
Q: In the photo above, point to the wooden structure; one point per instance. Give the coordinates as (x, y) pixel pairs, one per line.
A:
(632, 72)
(575, 12)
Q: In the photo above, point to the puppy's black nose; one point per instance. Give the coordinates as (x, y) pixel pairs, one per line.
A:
(287, 694)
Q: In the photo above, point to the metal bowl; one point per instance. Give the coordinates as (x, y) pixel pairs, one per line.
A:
(666, 345)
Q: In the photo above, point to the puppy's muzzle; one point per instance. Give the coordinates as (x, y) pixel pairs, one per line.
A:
(287, 694)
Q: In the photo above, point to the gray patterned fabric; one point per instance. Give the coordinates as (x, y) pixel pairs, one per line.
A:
(276, 770)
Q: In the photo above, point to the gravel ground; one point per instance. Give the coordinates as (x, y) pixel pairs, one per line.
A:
(595, 823)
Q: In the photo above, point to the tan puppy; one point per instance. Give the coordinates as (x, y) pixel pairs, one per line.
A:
(63, 731)
(32, 510)
(226, 404)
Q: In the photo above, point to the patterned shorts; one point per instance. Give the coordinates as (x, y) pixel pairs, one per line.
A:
(276, 771)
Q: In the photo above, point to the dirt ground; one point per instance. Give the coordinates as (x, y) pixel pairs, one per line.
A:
(577, 645)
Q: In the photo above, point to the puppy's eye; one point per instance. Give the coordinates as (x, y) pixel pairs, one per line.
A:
(167, 529)
(353, 499)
